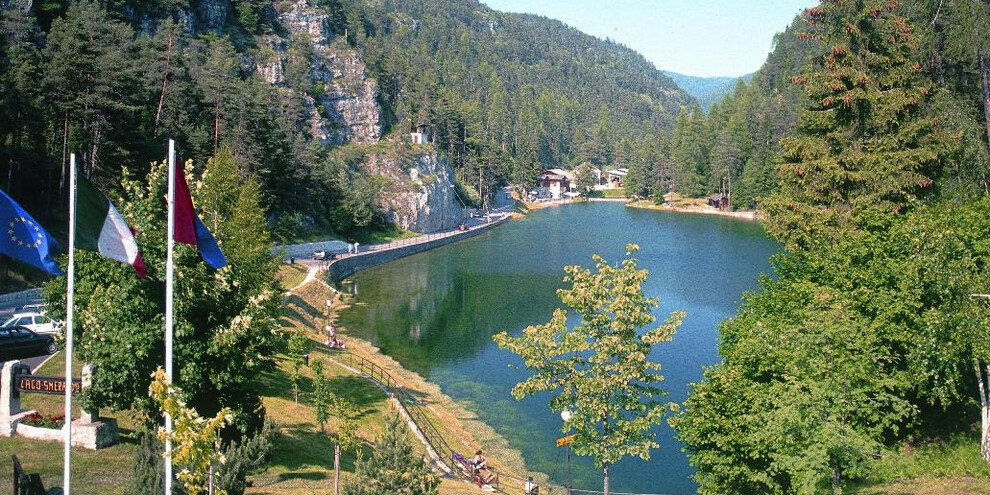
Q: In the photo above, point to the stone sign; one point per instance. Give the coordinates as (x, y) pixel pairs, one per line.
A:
(89, 430)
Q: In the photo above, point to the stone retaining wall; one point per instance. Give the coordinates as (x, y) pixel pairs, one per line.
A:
(20, 298)
(344, 267)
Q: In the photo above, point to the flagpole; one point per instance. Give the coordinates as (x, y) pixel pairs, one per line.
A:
(168, 308)
(69, 306)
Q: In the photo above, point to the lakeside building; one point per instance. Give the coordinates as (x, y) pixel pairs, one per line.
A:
(614, 178)
(557, 182)
(720, 201)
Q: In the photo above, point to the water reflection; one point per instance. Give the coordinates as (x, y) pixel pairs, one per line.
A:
(435, 313)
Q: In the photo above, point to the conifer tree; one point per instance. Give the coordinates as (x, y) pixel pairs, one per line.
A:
(90, 80)
(393, 468)
(865, 144)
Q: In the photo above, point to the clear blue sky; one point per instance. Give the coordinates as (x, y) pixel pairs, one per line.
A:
(693, 37)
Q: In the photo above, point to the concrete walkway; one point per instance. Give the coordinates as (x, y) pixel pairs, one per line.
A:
(311, 272)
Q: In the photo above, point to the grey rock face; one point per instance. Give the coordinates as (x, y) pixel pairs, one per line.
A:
(421, 196)
(206, 16)
(343, 109)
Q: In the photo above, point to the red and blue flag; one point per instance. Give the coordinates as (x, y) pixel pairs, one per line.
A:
(189, 229)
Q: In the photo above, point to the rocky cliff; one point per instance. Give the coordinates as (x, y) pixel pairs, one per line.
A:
(421, 195)
(340, 107)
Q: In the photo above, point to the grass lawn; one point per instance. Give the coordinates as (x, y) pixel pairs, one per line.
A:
(302, 461)
(389, 234)
(952, 466)
(303, 458)
(290, 275)
(616, 193)
(105, 471)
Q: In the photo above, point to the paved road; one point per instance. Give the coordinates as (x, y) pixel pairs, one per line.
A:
(34, 362)
(503, 202)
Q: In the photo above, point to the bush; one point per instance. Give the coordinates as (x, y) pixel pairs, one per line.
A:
(231, 476)
(393, 469)
(245, 456)
(148, 468)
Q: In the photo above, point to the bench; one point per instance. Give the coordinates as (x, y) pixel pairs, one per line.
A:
(26, 484)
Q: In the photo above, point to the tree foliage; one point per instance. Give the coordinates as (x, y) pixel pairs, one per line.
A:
(600, 369)
(868, 335)
(194, 440)
(226, 329)
(393, 467)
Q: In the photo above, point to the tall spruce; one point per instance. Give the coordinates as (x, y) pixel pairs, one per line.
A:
(866, 144)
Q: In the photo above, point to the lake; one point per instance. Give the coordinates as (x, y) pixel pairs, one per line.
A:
(436, 312)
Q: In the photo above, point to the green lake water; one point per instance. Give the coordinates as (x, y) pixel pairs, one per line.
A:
(436, 312)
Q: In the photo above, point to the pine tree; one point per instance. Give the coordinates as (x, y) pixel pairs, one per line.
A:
(689, 153)
(92, 82)
(393, 468)
(866, 144)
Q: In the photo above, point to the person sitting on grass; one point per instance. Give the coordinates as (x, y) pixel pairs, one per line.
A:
(531, 488)
(480, 463)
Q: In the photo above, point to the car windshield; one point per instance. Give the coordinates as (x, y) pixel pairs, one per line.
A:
(10, 322)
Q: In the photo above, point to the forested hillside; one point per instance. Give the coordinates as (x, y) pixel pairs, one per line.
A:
(305, 91)
(871, 341)
(733, 147)
(707, 90)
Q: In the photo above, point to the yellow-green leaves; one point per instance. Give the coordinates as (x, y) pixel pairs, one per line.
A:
(195, 440)
(600, 368)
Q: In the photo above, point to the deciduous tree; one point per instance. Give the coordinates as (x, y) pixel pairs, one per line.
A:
(226, 327)
(600, 369)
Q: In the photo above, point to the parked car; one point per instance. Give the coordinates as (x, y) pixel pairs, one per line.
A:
(33, 320)
(19, 342)
(322, 255)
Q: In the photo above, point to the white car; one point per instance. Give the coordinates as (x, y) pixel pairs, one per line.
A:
(35, 321)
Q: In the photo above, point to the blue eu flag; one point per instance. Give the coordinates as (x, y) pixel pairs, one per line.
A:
(24, 239)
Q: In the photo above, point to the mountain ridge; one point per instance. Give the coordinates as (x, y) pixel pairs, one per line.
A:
(707, 90)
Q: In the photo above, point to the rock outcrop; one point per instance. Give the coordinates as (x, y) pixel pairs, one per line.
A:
(340, 103)
(421, 195)
(206, 16)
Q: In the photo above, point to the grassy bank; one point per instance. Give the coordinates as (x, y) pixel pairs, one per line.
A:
(105, 471)
(946, 466)
(303, 460)
(614, 193)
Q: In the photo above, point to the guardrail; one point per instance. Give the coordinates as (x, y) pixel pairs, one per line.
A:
(429, 431)
(420, 239)
(411, 403)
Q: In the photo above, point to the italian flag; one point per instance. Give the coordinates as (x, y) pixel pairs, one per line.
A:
(100, 228)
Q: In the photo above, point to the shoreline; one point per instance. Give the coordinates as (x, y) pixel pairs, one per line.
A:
(749, 216)
(468, 431)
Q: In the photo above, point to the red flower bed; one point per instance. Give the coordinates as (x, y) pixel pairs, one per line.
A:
(43, 421)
